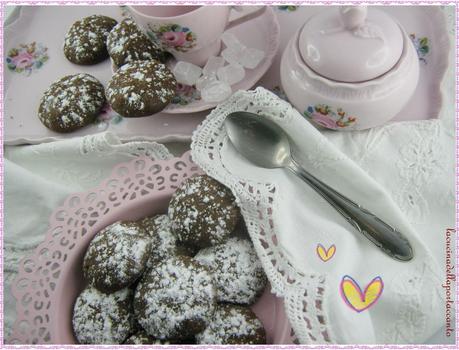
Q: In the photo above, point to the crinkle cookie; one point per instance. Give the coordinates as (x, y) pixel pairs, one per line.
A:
(203, 212)
(233, 324)
(162, 239)
(239, 276)
(141, 88)
(142, 337)
(126, 43)
(72, 102)
(175, 299)
(85, 41)
(117, 256)
(100, 318)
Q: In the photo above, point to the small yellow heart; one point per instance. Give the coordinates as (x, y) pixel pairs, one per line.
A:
(355, 298)
(325, 254)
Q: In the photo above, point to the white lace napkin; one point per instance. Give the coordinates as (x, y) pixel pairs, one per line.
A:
(288, 221)
(38, 178)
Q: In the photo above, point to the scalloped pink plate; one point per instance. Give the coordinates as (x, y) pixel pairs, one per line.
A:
(49, 281)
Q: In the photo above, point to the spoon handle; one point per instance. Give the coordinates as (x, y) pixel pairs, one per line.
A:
(385, 237)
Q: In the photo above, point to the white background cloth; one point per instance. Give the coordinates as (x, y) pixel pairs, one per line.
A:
(412, 161)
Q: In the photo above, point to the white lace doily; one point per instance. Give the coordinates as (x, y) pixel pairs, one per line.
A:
(287, 220)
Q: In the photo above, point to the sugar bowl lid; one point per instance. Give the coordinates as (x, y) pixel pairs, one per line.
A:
(351, 43)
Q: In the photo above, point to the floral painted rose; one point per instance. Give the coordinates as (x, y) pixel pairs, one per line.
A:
(23, 59)
(174, 38)
(27, 58)
(183, 89)
(184, 95)
(324, 120)
(325, 116)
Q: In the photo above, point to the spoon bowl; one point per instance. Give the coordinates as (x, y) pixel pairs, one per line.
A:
(261, 141)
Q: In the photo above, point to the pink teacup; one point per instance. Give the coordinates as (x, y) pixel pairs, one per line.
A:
(190, 33)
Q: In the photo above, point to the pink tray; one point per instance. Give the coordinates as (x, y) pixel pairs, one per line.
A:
(49, 280)
(21, 126)
(47, 25)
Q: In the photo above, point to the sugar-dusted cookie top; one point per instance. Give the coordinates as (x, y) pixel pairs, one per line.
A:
(141, 88)
(85, 42)
(71, 103)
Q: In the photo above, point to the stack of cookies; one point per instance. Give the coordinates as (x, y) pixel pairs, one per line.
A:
(187, 277)
(141, 86)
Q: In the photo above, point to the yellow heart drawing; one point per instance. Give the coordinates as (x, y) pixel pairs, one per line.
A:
(355, 298)
(325, 255)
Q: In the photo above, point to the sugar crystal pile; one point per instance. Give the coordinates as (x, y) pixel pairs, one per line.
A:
(214, 81)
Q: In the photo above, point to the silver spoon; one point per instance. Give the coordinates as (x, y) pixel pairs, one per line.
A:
(266, 145)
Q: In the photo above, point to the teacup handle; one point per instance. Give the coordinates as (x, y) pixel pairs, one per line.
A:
(257, 11)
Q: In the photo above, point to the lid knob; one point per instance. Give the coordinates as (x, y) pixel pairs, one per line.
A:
(351, 44)
(353, 16)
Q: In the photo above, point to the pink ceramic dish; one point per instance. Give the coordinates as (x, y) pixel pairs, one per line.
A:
(426, 25)
(49, 281)
(371, 80)
(46, 26)
(427, 28)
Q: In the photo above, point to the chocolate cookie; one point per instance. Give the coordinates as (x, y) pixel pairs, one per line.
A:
(233, 324)
(117, 256)
(85, 40)
(141, 88)
(100, 318)
(72, 102)
(126, 43)
(175, 299)
(239, 276)
(162, 240)
(142, 337)
(203, 212)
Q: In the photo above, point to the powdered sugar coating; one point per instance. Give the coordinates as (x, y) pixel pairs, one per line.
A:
(100, 318)
(142, 337)
(233, 324)
(71, 102)
(117, 256)
(85, 40)
(141, 88)
(162, 239)
(203, 212)
(126, 43)
(175, 299)
(238, 273)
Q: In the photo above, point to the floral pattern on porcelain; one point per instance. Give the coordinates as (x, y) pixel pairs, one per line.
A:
(422, 47)
(325, 116)
(185, 94)
(173, 36)
(287, 8)
(27, 58)
(106, 117)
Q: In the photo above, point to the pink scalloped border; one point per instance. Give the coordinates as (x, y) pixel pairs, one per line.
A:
(167, 176)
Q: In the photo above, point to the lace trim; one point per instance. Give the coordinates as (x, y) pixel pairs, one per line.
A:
(258, 202)
(108, 143)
